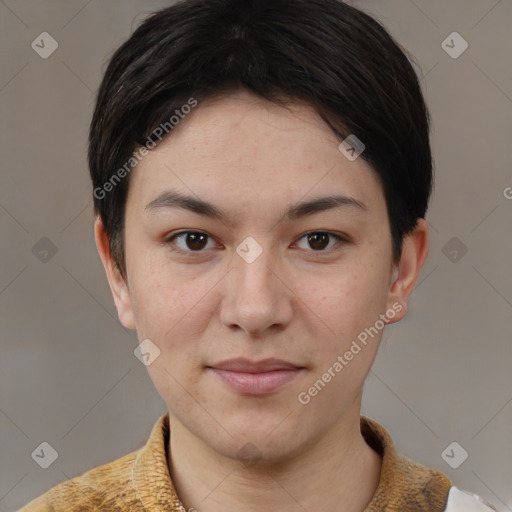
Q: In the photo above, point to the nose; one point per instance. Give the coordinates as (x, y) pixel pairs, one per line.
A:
(258, 296)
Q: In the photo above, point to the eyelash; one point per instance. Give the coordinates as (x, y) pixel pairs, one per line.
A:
(169, 242)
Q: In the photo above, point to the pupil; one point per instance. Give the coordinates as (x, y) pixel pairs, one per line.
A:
(314, 238)
(193, 240)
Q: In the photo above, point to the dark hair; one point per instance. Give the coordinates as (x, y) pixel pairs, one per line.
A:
(324, 53)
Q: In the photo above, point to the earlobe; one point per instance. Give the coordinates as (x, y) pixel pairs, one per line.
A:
(406, 273)
(118, 285)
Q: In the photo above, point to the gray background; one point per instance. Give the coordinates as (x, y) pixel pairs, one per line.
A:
(68, 375)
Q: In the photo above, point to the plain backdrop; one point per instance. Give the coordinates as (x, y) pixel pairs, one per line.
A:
(68, 374)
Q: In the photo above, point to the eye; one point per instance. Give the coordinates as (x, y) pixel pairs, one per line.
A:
(190, 241)
(197, 241)
(319, 240)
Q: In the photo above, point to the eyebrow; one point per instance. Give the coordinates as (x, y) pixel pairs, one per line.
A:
(175, 199)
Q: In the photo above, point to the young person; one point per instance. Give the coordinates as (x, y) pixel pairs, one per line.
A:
(261, 172)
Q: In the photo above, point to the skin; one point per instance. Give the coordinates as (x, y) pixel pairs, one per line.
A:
(253, 159)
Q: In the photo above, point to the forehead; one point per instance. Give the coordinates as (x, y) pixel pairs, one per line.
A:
(243, 149)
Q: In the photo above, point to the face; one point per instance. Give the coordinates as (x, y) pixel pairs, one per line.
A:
(256, 277)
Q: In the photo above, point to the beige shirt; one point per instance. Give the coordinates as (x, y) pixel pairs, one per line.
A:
(140, 482)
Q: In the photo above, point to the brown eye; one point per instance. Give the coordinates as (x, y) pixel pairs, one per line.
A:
(190, 241)
(195, 241)
(319, 240)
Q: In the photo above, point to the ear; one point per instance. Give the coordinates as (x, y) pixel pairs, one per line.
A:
(407, 271)
(118, 286)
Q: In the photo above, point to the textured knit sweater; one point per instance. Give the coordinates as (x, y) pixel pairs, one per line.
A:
(140, 482)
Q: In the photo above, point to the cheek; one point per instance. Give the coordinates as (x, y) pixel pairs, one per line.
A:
(346, 297)
(163, 309)
(171, 305)
(343, 304)
(173, 314)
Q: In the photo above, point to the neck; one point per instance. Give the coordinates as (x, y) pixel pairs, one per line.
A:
(339, 472)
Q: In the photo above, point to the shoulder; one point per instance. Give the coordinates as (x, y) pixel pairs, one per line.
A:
(93, 489)
(463, 501)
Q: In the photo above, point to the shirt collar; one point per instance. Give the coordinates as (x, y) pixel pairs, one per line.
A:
(404, 484)
(150, 472)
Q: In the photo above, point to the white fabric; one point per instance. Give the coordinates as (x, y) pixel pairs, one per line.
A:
(463, 501)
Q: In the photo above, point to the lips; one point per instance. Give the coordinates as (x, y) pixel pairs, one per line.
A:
(248, 366)
(255, 377)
